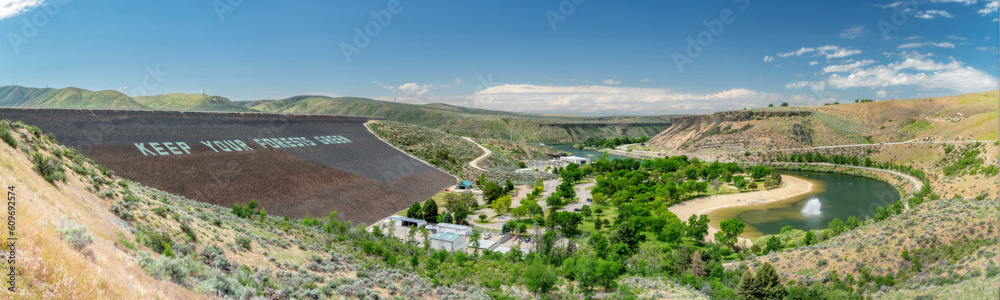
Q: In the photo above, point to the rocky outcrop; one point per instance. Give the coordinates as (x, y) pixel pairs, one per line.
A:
(687, 130)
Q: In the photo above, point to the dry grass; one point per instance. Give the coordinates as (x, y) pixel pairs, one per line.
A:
(48, 267)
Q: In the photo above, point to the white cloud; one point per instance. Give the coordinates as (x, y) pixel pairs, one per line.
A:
(912, 38)
(12, 8)
(611, 81)
(915, 70)
(963, 2)
(414, 89)
(813, 63)
(990, 50)
(881, 93)
(918, 45)
(990, 7)
(930, 14)
(829, 51)
(409, 89)
(644, 80)
(854, 32)
(847, 67)
(457, 81)
(955, 37)
(606, 99)
(768, 58)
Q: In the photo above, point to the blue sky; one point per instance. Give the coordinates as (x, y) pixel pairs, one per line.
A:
(569, 56)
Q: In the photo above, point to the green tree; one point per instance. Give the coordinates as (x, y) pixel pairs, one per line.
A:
(599, 198)
(627, 234)
(585, 211)
(475, 240)
(785, 104)
(765, 285)
(697, 228)
(427, 237)
(600, 244)
(773, 244)
(482, 218)
(492, 191)
(430, 211)
(852, 222)
(810, 238)
(672, 231)
(539, 277)
(509, 186)
(501, 205)
(731, 230)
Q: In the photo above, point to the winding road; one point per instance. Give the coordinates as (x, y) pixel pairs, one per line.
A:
(475, 162)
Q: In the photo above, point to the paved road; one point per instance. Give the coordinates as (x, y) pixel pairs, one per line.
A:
(621, 149)
(475, 162)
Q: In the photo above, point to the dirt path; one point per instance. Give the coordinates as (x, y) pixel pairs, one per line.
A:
(475, 162)
(791, 186)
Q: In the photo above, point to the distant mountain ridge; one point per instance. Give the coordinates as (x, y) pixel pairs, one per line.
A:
(179, 101)
(474, 122)
(71, 97)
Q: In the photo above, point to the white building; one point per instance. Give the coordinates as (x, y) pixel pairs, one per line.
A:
(453, 228)
(404, 221)
(448, 241)
(576, 160)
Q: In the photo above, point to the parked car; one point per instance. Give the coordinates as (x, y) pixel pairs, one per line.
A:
(576, 209)
(590, 199)
(487, 236)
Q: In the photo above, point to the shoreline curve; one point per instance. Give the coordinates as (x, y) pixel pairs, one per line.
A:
(791, 186)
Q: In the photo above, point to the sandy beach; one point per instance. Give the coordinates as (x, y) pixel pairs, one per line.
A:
(791, 187)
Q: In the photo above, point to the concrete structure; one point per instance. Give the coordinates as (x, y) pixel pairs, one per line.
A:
(464, 185)
(404, 221)
(487, 244)
(576, 160)
(524, 171)
(448, 241)
(453, 228)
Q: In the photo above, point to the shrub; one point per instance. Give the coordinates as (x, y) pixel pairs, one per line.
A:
(244, 242)
(155, 241)
(160, 211)
(50, 168)
(186, 227)
(76, 236)
(7, 137)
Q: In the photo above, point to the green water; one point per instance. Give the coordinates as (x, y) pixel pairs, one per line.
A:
(835, 196)
(593, 155)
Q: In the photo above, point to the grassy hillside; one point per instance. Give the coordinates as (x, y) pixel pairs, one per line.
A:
(453, 153)
(927, 251)
(178, 101)
(18, 96)
(477, 123)
(962, 117)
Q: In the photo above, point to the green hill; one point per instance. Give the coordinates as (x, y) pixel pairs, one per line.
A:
(479, 123)
(19, 96)
(179, 101)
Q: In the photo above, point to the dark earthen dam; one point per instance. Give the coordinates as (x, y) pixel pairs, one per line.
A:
(294, 165)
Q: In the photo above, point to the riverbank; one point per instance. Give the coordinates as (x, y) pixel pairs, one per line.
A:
(791, 187)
